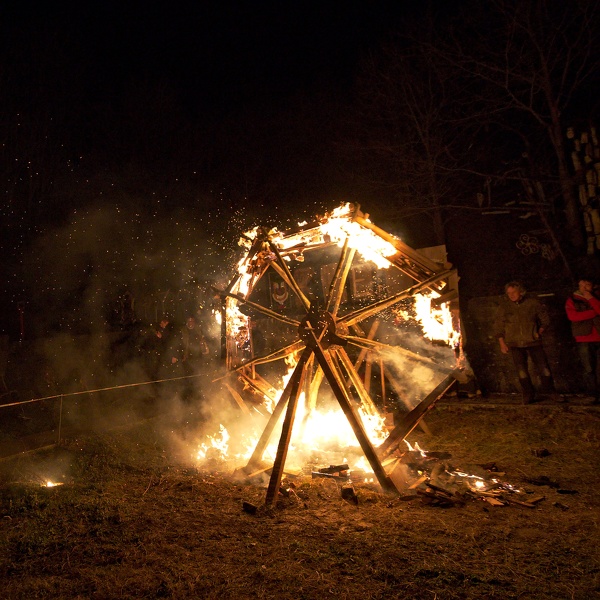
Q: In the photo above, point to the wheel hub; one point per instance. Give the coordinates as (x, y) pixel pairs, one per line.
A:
(323, 326)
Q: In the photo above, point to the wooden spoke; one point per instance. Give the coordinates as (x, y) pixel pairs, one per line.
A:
(375, 308)
(290, 278)
(381, 347)
(340, 276)
(265, 311)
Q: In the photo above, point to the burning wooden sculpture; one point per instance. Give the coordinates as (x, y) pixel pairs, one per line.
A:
(314, 299)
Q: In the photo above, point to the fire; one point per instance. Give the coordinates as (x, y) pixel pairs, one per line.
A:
(316, 435)
(369, 245)
(218, 447)
(437, 323)
(315, 432)
(318, 432)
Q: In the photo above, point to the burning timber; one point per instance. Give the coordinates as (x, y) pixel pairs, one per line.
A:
(319, 316)
(419, 476)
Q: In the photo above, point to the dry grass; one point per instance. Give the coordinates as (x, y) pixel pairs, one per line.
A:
(135, 521)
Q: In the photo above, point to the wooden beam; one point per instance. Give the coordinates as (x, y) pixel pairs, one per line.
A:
(396, 385)
(263, 310)
(295, 385)
(424, 263)
(357, 382)
(364, 313)
(412, 419)
(364, 350)
(354, 420)
(295, 287)
(338, 283)
(275, 415)
(366, 343)
(238, 399)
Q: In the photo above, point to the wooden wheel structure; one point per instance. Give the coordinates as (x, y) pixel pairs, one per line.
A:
(297, 297)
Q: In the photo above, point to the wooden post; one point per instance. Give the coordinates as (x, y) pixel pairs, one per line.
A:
(411, 420)
(355, 422)
(275, 415)
(295, 387)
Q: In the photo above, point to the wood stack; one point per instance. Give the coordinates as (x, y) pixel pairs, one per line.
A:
(585, 156)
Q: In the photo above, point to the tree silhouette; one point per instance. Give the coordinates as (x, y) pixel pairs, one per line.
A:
(479, 101)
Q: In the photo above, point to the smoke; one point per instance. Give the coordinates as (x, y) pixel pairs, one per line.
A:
(95, 288)
(418, 373)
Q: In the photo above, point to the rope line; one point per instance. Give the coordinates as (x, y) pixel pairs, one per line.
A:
(105, 389)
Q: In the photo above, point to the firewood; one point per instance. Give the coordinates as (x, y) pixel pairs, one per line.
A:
(536, 499)
(349, 494)
(435, 499)
(334, 469)
(419, 481)
(439, 490)
(543, 480)
(494, 501)
(511, 500)
(319, 475)
(249, 508)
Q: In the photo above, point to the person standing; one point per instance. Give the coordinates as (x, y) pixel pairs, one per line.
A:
(195, 348)
(519, 324)
(583, 310)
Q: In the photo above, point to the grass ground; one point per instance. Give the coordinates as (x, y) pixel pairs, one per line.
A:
(137, 518)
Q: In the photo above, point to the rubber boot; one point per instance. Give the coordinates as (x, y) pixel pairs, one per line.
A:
(589, 382)
(548, 388)
(528, 390)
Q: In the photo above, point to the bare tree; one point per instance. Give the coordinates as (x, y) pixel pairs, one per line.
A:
(405, 129)
(535, 61)
(479, 101)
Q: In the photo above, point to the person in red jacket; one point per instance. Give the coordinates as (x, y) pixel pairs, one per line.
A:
(583, 310)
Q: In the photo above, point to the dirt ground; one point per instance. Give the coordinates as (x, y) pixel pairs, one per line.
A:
(136, 518)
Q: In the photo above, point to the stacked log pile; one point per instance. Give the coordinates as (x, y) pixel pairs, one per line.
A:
(585, 157)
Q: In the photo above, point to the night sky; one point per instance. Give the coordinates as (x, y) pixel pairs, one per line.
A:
(220, 59)
(147, 136)
(139, 140)
(226, 95)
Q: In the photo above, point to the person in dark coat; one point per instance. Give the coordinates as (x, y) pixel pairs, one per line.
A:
(519, 325)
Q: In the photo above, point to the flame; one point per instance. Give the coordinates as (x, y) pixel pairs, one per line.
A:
(311, 439)
(50, 484)
(372, 247)
(415, 448)
(314, 435)
(218, 442)
(437, 323)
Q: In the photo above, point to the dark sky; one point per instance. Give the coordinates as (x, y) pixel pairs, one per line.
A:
(235, 71)
(219, 55)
